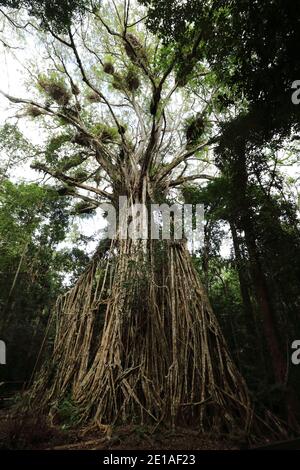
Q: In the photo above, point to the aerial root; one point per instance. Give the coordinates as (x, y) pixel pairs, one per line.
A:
(137, 342)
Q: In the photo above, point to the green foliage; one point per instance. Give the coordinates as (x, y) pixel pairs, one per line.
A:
(252, 48)
(54, 145)
(72, 261)
(215, 197)
(67, 412)
(135, 49)
(33, 221)
(194, 129)
(81, 175)
(106, 133)
(127, 81)
(132, 80)
(54, 87)
(108, 67)
(21, 210)
(34, 111)
(15, 146)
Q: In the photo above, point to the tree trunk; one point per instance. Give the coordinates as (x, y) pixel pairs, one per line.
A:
(160, 355)
(245, 216)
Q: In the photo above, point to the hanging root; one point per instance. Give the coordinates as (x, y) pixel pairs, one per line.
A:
(137, 342)
(77, 318)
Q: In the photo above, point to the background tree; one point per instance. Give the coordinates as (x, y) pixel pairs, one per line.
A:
(33, 221)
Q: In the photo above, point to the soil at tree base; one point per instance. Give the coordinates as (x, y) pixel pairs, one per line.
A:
(16, 434)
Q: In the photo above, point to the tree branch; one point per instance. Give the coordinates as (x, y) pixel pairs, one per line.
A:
(72, 181)
(100, 150)
(184, 156)
(186, 179)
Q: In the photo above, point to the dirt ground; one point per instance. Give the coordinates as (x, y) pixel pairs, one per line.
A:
(37, 434)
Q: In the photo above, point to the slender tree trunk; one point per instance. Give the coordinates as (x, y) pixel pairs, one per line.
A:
(278, 358)
(252, 326)
(206, 250)
(249, 314)
(7, 311)
(263, 299)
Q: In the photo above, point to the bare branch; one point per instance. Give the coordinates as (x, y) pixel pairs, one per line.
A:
(183, 180)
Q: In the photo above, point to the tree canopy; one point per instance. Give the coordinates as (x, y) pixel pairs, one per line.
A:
(57, 13)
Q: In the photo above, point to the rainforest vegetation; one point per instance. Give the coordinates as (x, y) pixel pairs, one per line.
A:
(164, 102)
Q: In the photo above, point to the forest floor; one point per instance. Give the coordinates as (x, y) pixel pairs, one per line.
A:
(36, 434)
